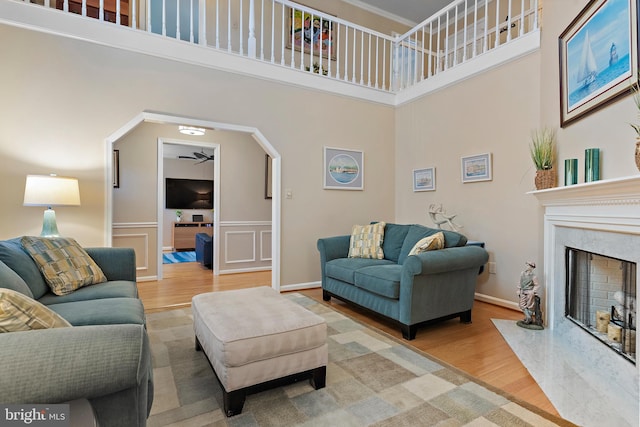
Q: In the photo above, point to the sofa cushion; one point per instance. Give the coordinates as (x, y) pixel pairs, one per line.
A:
(366, 241)
(18, 312)
(380, 279)
(16, 258)
(429, 243)
(417, 232)
(344, 268)
(9, 279)
(394, 235)
(64, 264)
(112, 289)
(106, 311)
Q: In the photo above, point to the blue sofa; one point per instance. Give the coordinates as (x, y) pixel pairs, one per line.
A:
(411, 290)
(105, 357)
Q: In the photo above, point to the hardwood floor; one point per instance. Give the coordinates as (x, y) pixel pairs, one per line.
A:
(477, 348)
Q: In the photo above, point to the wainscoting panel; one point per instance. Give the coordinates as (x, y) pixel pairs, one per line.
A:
(245, 246)
(142, 237)
(265, 245)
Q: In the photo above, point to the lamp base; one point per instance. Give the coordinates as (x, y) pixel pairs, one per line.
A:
(49, 226)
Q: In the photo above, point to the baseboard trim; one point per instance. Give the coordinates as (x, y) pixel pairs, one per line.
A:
(300, 286)
(245, 270)
(498, 301)
(146, 278)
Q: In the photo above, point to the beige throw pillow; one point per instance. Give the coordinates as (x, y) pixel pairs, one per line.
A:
(366, 241)
(18, 312)
(429, 243)
(63, 263)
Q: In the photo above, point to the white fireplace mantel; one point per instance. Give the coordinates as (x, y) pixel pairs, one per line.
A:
(624, 191)
(601, 217)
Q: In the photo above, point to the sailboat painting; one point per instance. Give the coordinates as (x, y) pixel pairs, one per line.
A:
(597, 56)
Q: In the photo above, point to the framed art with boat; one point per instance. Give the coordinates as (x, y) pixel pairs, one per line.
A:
(598, 57)
(343, 169)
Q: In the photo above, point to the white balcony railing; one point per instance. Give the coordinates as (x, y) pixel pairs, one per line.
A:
(287, 34)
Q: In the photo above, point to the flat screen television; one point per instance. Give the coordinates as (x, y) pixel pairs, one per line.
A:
(188, 193)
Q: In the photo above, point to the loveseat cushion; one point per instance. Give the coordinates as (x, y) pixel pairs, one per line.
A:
(112, 289)
(344, 269)
(17, 259)
(380, 279)
(9, 279)
(417, 232)
(394, 235)
(105, 311)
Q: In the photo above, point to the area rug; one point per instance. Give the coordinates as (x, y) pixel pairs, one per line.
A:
(174, 257)
(372, 380)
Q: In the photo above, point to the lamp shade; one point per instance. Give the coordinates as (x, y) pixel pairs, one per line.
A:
(51, 190)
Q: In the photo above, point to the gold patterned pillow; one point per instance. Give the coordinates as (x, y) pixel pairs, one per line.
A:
(429, 243)
(366, 241)
(63, 263)
(18, 312)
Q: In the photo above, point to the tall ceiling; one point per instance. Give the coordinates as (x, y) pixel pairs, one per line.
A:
(411, 10)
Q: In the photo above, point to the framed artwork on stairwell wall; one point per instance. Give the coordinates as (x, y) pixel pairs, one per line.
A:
(598, 57)
(424, 179)
(343, 169)
(311, 34)
(476, 168)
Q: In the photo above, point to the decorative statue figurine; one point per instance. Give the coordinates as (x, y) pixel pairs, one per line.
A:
(528, 298)
(435, 211)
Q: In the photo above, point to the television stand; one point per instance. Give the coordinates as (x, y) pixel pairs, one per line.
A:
(183, 235)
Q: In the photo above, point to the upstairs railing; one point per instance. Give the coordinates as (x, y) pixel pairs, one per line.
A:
(290, 35)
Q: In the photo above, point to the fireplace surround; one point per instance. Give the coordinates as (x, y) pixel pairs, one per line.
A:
(601, 217)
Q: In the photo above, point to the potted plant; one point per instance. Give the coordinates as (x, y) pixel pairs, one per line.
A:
(543, 154)
(179, 215)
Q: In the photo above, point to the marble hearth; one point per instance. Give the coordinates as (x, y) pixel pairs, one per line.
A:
(588, 382)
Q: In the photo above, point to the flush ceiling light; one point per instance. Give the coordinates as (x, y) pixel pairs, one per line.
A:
(191, 130)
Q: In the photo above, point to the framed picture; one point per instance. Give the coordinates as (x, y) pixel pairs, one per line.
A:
(343, 169)
(424, 179)
(116, 169)
(476, 168)
(307, 31)
(598, 57)
(268, 177)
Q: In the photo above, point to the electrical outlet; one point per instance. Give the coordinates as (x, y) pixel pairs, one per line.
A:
(492, 268)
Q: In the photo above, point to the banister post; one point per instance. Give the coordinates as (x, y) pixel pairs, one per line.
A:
(251, 42)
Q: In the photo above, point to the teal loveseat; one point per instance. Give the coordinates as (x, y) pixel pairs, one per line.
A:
(412, 290)
(104, 357)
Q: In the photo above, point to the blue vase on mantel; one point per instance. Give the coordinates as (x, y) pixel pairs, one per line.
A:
(591, 164)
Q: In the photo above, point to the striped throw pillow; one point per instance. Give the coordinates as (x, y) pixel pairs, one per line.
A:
(366, 241)
(18, 312)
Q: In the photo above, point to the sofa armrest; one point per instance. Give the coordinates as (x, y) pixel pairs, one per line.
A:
(445, 260)
(116, 263)
(333, 247)
(62, 364)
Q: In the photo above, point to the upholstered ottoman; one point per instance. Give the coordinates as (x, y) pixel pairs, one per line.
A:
(255, 339)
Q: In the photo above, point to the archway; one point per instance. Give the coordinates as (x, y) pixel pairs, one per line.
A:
(179, 120)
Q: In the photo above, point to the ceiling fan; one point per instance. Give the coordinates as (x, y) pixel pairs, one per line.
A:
(202, 156)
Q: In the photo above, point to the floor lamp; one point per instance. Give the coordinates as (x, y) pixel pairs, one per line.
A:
(51, 190)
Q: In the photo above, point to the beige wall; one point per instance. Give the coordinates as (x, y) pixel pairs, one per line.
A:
(61, 128)
(97, 90)
(490, 113)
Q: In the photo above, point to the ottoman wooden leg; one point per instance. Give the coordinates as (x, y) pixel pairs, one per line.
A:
(319, 377)
(233, 401)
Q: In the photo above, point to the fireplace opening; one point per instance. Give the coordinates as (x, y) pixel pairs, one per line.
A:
(600, 298)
